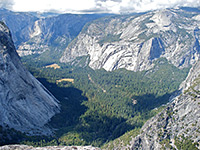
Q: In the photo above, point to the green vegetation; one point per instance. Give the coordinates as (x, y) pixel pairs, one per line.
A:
(6, 134)
(109, 39)
(191, 90)
(144, 22)
(184, 143)
(122, 141)
(101, 106)
(166, 144)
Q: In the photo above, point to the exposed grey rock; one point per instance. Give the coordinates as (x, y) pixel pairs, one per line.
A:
(180, 118)
(53, 33)
(192, 75)
(36, 34)
(25, 104)
(25, 147)
(133, 42)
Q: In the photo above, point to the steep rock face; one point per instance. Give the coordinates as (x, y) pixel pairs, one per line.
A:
(53, 33)
(20, 24)
(133, 42)
(25, 104)
(39, 33)
(25, 147)
(192, 75)
(179, 121)
(36, 34)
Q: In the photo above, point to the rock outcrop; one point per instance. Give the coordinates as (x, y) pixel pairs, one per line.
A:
(25, 147)
(180, 120)
(37, 34)
(134, 42)
(25, 104)
(53, 33)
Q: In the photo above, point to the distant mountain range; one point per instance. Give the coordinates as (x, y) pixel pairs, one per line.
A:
(44, 33)
(134, 42)
(110, 41)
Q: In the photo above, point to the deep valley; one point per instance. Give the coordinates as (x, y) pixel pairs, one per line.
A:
(110, 81)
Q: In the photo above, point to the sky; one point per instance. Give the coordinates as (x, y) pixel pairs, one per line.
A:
(94, 6)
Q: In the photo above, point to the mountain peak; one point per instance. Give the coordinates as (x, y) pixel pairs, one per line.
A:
(126, 42)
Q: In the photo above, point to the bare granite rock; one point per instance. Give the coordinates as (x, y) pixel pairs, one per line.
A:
(25, 104)
(134, 42)
(181, 119)
(25, 147)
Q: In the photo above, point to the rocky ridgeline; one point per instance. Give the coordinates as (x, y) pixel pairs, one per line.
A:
(119, 41)
(53, 33)
(33, 34)
(25, 104)
(134, 42)
(180, 120)
(25, 147)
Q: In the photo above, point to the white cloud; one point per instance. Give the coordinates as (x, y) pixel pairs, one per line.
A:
(109, 6)
(59, 5)
(146, 5)
(6, 4)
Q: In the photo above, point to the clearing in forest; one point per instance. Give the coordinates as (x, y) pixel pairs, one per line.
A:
(65, 79)
(55, 66)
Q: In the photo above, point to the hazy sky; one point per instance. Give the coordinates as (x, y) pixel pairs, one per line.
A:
(94, 6)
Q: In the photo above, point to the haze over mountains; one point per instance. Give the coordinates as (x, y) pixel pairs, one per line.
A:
(137, 42)
(33, 35)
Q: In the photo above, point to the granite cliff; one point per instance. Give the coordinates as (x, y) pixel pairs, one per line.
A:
(25, 104)
(43, 34)
(135, 41)
(25, 147)
(178, 125)
(126, 41)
